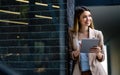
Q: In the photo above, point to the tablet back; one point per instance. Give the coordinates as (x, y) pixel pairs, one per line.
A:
(87, 44)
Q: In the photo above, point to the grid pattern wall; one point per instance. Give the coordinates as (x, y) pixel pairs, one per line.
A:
(32, 36)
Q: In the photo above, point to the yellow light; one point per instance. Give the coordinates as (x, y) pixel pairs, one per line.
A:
(18, 13)
(37, 3)
(16, 22)
(42, 4)
(23, 1)
(55, 6)
(10, 12)
(40, 16)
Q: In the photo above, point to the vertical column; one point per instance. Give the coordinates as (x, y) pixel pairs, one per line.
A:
(61, 37)
(70, 12)
(70, 21)
(109, 58)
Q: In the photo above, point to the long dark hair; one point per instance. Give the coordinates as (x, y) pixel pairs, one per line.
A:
(78, 11)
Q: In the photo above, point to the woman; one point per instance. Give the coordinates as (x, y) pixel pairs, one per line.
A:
(85, 63)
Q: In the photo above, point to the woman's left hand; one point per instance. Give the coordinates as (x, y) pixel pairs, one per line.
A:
(97, 50)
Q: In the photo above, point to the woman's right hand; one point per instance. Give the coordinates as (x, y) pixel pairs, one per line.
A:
(75, 53)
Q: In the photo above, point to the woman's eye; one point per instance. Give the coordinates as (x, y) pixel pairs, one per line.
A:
(90, 15)
(84, 16)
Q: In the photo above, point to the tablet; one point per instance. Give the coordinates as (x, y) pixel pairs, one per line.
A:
(87, 44)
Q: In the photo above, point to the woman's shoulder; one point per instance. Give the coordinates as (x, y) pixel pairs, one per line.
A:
(96, 31)
(99, 32)
(71, 32)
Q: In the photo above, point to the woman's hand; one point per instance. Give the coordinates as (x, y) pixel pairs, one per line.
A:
(75, 53)
(97, 50)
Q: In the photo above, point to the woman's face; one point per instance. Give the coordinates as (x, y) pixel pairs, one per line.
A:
(85, 18)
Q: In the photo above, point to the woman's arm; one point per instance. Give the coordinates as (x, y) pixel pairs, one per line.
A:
(73, 45)
(100, 53)
(99, 50)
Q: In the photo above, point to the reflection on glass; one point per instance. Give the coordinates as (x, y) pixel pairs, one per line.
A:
(29, 37)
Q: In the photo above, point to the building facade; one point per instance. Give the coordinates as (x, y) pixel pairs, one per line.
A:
(32, 36)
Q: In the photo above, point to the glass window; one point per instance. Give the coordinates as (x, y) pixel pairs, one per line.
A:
(30, 36)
